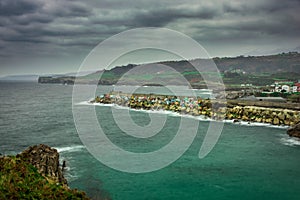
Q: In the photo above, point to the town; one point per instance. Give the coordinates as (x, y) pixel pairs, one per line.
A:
(278, 91)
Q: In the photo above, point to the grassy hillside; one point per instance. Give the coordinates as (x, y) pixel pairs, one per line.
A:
(285, 62)
(257, 70)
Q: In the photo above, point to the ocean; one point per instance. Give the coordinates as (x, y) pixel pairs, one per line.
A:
(248, 162)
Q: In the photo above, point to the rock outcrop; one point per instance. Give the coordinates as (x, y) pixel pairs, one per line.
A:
(294, 131)
(46, 160)
(20, 180)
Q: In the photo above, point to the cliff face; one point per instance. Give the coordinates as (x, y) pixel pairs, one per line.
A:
(46, 160)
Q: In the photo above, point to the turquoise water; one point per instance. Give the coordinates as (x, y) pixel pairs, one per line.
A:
(248, 162)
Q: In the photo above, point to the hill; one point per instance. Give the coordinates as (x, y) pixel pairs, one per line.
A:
(285, 62)
(258, 70)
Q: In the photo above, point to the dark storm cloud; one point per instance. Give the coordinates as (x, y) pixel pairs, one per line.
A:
(71, 10)
(47, 19)
(253, 20)
(257, 7)
(40, 21)
(157, 17)
(163, 16)
(56, 26)
(32, 18)
(17, 7)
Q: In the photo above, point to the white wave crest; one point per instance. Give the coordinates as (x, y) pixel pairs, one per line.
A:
(175, 114)
(244, 123)
(84, 103)
(291, 141)
(70, 148)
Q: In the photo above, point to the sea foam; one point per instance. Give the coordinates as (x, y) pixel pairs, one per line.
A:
(70, 148)
(290, 141)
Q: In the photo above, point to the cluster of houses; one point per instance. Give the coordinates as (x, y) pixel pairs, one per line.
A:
(286, 86)
(279, 86)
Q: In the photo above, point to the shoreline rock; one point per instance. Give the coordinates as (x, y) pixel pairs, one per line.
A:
(294, 131)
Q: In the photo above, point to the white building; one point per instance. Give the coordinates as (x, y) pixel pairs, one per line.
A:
(277, 89)
(286, 88)
(295, 89)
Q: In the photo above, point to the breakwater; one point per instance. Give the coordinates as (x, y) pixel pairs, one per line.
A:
(215, 109)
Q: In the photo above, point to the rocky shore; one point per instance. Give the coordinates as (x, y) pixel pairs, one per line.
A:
(231, 110)
(35, 174)
(294, 131)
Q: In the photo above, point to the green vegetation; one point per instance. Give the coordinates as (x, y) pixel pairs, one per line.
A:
(255, 70)
(20, 180)
(260, 79)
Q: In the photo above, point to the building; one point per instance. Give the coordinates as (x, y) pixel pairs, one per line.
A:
(277, 88)
(285, 88)
(298, 86)
(295, 89)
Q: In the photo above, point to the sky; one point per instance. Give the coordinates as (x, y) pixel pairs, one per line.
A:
(55, 36)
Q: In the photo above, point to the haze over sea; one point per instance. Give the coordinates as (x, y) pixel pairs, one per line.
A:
(248, 162)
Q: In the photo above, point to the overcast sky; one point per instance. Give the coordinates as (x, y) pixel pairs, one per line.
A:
(54, 36)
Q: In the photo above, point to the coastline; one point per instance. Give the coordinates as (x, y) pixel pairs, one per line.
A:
(249, 112)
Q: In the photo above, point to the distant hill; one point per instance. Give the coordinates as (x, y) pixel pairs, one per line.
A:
(256, 70)
(285, 62)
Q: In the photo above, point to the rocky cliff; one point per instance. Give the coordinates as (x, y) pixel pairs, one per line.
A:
(46, 160)
(35, 174)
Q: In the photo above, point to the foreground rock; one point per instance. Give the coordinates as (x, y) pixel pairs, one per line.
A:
(294, 131)
(46, 160)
